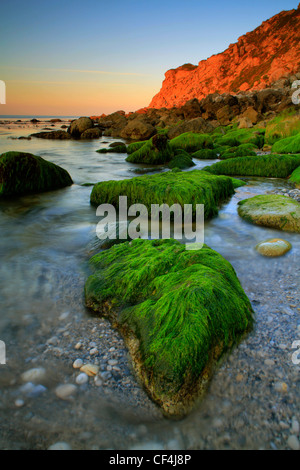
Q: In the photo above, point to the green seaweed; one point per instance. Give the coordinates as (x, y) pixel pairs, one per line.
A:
(205, 154)
(155, 151)
(191, 142)
(288, 145)
(191, 187)
(270, 166)
(183, 308)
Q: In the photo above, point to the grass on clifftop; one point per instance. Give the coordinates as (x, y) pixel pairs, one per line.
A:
(192, 187)
(181, 305)
(270, 166)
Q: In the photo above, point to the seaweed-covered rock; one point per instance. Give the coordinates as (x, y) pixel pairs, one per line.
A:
(118, 149)
(243, 150)
(274, 211)
(205, 154)
(138, 129)
(235, 137)
(181, 161)
(191, 187)
(191, 142)
(24, 173)
(282, 126)
(154, 152)
(134, 146)
(295, 177)
(288, 145)
(270, 166)
(178, 311)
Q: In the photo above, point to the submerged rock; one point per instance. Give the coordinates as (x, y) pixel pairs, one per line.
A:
(273, 211)
(24, 173)
(273, 247)
(58, 135)
(178, 311)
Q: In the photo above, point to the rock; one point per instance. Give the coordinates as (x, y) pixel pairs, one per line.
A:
(60, 446)
(34, 375)
(193, 187)
(90, 369)
(269, 166)
(24, 173)
(82, 379)
(273, 247)
(168, 288)
(293, 443)
(56, 135)
(138, 129)
(245, 123)
(78, 126)
(154, 152)
(191, 142)
(274, 211)
(77, 363)
(65, 391)
(194, 125)
(94, 133)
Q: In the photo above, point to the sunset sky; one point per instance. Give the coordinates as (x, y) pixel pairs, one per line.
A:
(87, 58)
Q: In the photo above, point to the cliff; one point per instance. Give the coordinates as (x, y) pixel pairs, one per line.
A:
(255, 61)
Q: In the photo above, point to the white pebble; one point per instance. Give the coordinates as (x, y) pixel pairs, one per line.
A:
(93, 351)
(60, 446)
(82, 379)
(293, 443)
(77, 364)
(78, 345)
(112, 362)
(34, 375)
(295, 426)
(65, 391)
(19, 403)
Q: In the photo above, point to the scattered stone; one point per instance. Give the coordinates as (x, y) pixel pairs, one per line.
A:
(60, 446)
(82, 379)
(273, 247)
(34, 375)
(65, 391)
(78, 363)
(90, 369)
(293, 442)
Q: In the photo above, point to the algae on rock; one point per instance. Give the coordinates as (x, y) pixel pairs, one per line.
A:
(24, 173)
(178, 311)
(279, 212)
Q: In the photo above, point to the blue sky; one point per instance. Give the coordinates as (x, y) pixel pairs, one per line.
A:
(118, 50)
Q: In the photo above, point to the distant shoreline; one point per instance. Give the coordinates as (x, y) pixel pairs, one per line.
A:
(23, 116)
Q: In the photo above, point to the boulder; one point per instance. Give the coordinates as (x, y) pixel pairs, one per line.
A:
(198, 125)
(24, 173)
(279, 212)
(80, 125)
(179, 311)
(56, 135)
(93, 133)
(138, 129)
(155, 151)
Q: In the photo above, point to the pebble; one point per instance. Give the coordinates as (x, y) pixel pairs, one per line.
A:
(82, 379)
(112, 362)
(65, 391)
(78, 346)
(60, 446)
(77, 363)
(94, 351)
(295, 426)
(34, 375)
(98, 382)
(19, 403)
(281, 387)
(90, 369)
(293, 442)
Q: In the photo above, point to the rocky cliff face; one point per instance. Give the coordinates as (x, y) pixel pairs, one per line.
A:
(257, 60)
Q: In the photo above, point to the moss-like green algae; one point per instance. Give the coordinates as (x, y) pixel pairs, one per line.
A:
(178, 310)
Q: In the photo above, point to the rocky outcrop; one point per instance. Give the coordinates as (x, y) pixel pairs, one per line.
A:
(138, 129)
(78, 126)
(257, 60)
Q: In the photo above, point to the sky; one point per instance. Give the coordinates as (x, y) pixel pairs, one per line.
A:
(78, 58)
